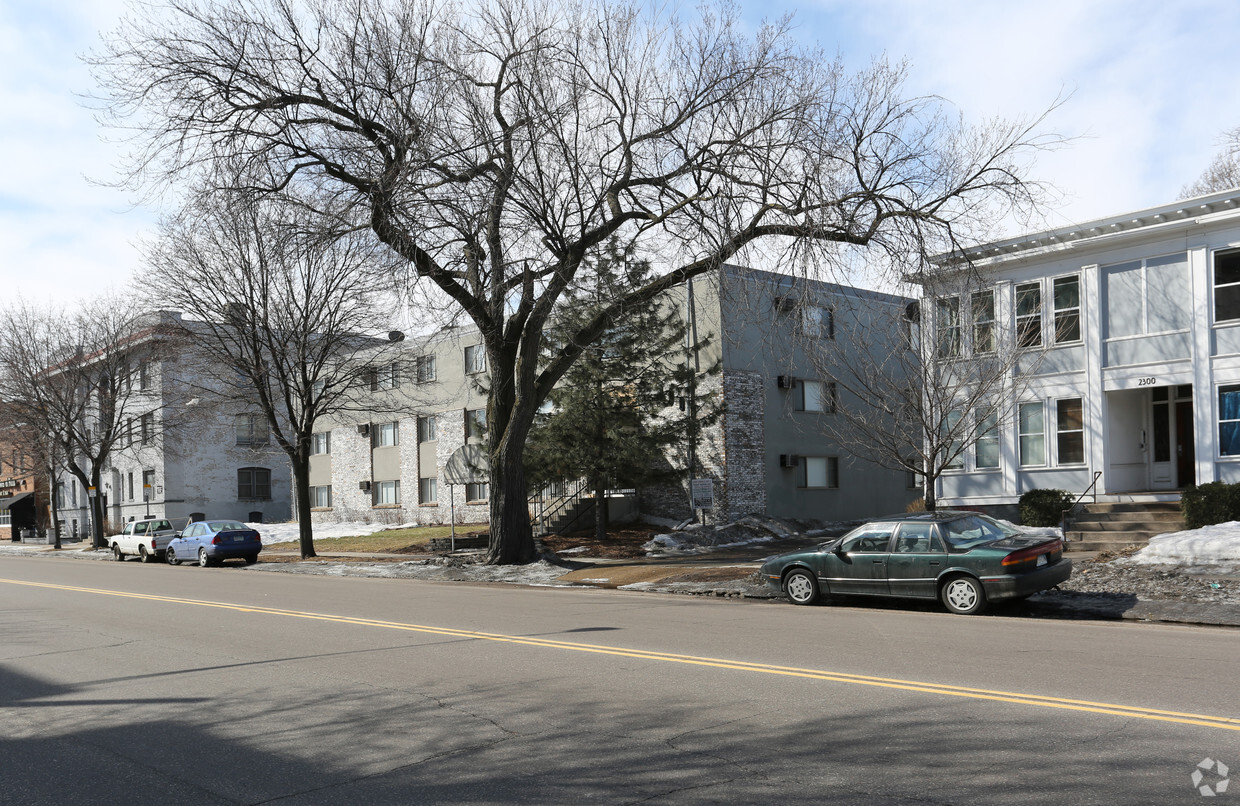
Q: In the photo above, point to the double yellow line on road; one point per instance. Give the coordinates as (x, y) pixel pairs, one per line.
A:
(1202, 720)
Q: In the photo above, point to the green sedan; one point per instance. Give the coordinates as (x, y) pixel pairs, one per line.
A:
(962, 559)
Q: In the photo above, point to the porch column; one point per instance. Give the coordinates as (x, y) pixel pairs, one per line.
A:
(1095, 403)
(1205, 396)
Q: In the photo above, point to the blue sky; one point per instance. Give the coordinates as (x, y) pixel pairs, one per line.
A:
(1152, 87)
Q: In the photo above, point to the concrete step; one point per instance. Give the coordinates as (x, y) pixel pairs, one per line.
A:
(1095, 546)
(1145, 525)
(1128, 506)
(1129, 516)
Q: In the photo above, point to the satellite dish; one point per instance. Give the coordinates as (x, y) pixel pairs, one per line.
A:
(468, 464)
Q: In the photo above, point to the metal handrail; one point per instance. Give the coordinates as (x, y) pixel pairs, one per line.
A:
(1063, 517)
(546, 515)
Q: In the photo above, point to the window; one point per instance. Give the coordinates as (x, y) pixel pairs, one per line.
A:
(321, 496)
(129, 479)
(475, 423)
(251, 429)
(1066, 296)
(147, 427)
(60, 495)
(148, 485)
(1147, 296)
(954, 450)
(254, 483)
(144, 375)
(1070, 432)
(818, 396)
(477, 491)
(1029, 315)
(818, 321)
(821, 473)
(982, 308)
(385, 435)
(426, 368)
(129, 432)
(385, 377)
(1032, 435)
(73, 492)
(947, 322)
(427, 491)
(386, 493)
(6, 517)
(475, 359)
(986, 448)
(1229, 420)
(320, 443)
(427, 429)
(1226, 287)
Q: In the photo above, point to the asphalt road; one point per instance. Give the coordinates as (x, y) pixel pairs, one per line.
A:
(148, 684)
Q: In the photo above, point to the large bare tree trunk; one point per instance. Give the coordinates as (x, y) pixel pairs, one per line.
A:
(301, 494)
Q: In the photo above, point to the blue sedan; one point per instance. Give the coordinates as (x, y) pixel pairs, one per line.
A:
(209, 542)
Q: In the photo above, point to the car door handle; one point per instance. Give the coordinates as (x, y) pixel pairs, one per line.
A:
(879, 562)
(934, 562)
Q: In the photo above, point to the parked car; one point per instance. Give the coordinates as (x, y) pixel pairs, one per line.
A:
(961, 558)
(210, 542)
(147, 538)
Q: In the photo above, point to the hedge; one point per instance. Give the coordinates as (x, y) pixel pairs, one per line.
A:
(1044, 507)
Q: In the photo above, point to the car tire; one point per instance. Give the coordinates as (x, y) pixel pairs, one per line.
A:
(250, 559)
(801, 587)
(203, 559)
(963, 595)
(171, 557)
(145, 556)
(117, 554)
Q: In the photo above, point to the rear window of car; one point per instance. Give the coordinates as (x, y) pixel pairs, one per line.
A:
(964, 534)
(225, 526)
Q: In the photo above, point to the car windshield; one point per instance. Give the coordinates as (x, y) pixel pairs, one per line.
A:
(225, 526)
(976, 530)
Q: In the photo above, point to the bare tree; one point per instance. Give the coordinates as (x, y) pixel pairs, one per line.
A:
(70, 380)
(284, 317)
(1223, 172)
(495, 146)
(917, 384)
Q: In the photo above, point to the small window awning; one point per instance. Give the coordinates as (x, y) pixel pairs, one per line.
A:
(5, 503)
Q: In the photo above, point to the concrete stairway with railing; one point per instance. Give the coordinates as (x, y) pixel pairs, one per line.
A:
(1110, 526)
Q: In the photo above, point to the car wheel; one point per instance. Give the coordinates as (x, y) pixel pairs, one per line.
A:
(144, 555)
(117, 554)
(801, 587)
(171, 557)
(963, 595)
(250, 559)
(203, 559)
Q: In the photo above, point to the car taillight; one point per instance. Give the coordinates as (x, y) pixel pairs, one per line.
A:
(1029, 556)
(152, 544)
(258, 537)
(215, 541)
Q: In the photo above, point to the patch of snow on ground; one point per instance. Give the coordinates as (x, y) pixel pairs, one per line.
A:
(287, 532)
(1214, 546)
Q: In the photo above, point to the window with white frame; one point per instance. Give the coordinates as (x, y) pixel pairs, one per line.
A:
(254, 483)
(147, 427)
(1029, 315)
(1032, 429)
(385, 377)
(820, 472)
(426, 368)
(144, 375)
(475, 423)
(6, 517)
(1066, 298)
(1226, 285)
(385, 435)
(321, 496)
(320, 443)
(986, 445)
(386, 493)
(982, 308)
(1147, 296)
(475, 359)
(953, 451)
(817, 396)
(251, 429)
(129, 484)
(428, 429)
(477, 491)
(947, 326)
(1069, 432)
(1229, 420)
(428, 490)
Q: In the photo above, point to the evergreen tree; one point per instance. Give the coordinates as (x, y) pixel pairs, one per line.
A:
(631, 398)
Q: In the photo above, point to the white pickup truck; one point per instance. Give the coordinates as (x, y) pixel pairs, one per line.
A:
(147, 538)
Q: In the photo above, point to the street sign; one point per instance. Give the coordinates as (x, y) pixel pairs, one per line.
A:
(92, 492)
(702, 491)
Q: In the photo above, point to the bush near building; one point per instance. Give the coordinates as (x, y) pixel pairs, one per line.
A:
(1044, 507)
(1214, 502)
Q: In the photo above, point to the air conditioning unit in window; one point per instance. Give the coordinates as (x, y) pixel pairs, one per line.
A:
(364, 486)
(364, 429)
(789, 460)
(786, 381)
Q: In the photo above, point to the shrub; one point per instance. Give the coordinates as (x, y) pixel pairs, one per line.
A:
(1215, 502)
(1044, 507)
